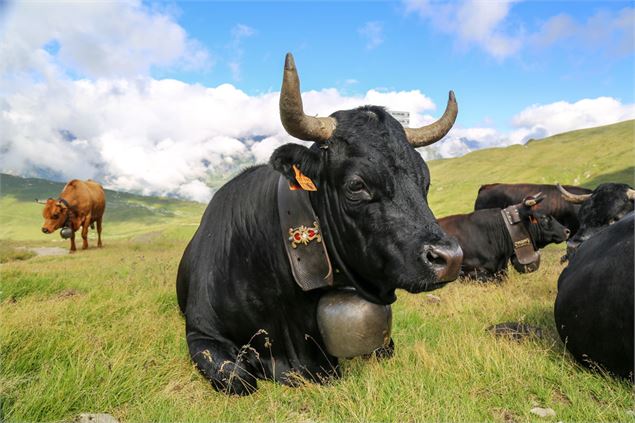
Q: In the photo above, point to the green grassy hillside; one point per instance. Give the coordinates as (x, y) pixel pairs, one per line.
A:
(586, 157)
(100, 330)
(126, 214)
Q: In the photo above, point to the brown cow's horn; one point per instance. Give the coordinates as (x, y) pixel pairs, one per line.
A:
(631, 194)
(295, 122)
(40, 201)
(572, 198)
(432, 133)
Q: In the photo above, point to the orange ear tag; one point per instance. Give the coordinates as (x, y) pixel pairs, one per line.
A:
(304, 181)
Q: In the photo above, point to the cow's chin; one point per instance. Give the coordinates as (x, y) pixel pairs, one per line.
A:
(372, 293)
(419, 286)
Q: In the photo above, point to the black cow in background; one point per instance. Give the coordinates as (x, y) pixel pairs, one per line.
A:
(594, 306)
(602, 207)
(504, 195)
(235, 285)
(486, 243)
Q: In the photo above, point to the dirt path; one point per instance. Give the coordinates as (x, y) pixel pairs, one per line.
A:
(47, 251)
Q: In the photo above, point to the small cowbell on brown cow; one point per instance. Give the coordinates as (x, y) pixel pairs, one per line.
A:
(80, 204)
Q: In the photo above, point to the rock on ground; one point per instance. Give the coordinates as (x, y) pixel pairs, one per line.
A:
(543, 412)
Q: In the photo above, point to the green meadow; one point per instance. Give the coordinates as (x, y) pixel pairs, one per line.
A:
(100, 330)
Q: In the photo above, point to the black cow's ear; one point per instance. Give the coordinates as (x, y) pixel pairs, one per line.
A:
(306, 161)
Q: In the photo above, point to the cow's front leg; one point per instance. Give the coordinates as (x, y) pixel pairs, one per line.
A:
(220, 366)
(85, 226)
(73, 248)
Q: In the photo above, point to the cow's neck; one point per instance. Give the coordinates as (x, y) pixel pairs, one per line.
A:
(536, 236)
(343, 274)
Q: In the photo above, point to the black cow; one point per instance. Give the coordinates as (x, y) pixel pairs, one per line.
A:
(246, 317)
(504, 195)
(485, 240)
(594, 306)
(602, 207)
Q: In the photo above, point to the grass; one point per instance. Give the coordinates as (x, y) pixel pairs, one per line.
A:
(586, 157)
(100, 331)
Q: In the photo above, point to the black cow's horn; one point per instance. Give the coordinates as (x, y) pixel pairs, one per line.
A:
(572, 198)
(631, 194)
(532, 200)
(432, 133)
(295, 122)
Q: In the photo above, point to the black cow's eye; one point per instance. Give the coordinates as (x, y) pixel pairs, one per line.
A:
(356, 190)
(355, 185)
(56, 216)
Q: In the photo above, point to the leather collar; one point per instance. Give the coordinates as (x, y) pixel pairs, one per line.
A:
(68, 223)
(527, 256)
(303, 239)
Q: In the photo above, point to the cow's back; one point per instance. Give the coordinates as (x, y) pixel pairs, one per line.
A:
(86, 196)
(594, 305)
(505, 195)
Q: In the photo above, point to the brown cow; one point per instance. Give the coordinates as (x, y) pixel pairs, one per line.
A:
(81, 203)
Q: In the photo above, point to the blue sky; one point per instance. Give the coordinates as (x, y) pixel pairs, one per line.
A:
(161, 97)
(385, 45)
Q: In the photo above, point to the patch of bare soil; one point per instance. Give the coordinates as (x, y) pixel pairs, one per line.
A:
(49, 251)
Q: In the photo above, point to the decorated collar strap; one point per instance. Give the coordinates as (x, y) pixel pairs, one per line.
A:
(302, 237)
(69, 215)
(527, 257)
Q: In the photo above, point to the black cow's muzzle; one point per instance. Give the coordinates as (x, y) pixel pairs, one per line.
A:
(444, 259)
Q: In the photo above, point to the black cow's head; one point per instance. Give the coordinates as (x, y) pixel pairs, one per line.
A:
(544, 228)
(372, 193)
(607, 204)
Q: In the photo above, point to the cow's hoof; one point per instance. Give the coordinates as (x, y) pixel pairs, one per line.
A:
(235, 381)
(386, 352)
(383, 353)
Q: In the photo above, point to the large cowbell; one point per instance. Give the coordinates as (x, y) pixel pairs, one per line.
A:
(66, 232)
(526, 267)
(351, 326)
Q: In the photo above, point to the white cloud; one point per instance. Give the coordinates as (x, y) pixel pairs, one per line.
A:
(536, 121)
(610, 32)
(239, 33)
(93, 39)
(156, 136)
(488, 25)
(373, 33)
(474, 22)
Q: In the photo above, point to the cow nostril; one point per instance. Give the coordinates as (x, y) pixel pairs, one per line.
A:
(444, 260)
(435, 258)
(45, 230)
(567, 232)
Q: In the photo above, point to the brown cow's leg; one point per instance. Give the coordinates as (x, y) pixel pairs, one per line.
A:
(99, 232)
(73, 249)
(85, 225)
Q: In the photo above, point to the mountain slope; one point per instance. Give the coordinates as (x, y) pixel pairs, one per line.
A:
(585, 157)
(21, 216)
